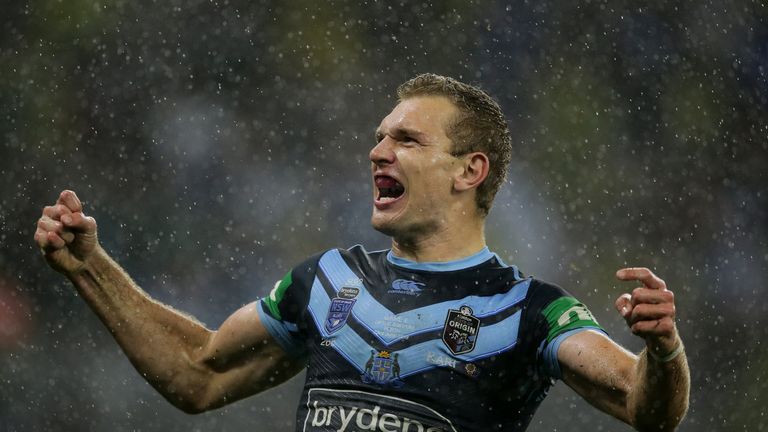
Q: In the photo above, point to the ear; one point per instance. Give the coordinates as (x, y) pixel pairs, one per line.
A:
(475, 168)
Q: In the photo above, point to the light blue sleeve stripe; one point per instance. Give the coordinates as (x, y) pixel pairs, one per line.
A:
(551, 363)
(282, 332)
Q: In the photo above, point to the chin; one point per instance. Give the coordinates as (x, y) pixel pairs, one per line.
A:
(403, 231)
(386, 227)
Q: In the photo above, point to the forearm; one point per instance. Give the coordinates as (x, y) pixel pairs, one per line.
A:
(659, 399)
(160, 342)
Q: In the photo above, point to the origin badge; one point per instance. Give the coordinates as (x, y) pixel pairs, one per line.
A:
(340, 308)
(460, 330)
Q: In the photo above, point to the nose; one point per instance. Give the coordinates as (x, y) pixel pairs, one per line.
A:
(383, 152)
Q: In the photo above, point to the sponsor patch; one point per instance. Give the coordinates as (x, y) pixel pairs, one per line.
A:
(341, 307)
(407, 287)
(351, 411)
(461, 330)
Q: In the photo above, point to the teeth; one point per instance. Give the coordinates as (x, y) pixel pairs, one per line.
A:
(387, 199)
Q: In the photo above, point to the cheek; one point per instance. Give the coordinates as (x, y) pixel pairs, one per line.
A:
(433, 191)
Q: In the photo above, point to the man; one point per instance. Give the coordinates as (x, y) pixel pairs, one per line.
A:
(436, 334)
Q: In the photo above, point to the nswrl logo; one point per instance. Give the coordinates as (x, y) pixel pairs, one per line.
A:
(340, 308)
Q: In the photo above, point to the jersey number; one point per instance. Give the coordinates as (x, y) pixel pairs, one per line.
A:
(575, 313)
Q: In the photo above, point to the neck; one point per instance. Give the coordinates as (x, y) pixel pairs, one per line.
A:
(446, 243)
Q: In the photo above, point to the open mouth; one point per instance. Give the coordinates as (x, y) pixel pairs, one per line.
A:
(388, 188)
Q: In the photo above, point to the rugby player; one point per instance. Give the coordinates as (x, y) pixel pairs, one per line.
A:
(435, 334)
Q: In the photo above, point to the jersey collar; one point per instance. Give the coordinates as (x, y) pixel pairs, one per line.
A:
(459, 264)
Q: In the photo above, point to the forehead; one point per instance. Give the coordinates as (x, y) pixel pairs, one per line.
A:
(424, 114)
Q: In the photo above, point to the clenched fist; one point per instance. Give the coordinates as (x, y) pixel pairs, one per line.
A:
(66, 236)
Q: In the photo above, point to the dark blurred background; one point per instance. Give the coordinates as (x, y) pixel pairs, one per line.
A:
(218, 143)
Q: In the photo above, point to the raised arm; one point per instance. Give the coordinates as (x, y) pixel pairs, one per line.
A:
(194, 368)
(648, 391)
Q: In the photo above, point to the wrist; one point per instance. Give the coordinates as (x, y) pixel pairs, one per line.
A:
(666, 356)
(87, 264)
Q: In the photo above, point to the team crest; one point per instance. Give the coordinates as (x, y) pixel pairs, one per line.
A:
(460, 330)
(341, 307)
(382, 368)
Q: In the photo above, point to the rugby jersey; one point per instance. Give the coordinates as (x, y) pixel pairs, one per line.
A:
(395, 345)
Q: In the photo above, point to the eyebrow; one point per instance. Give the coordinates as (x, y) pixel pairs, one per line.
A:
(400, 131)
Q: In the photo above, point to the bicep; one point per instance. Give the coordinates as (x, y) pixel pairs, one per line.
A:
(245, 359)
(599, 370)
(241, 336)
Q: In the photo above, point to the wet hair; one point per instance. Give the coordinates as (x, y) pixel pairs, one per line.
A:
(480, 126)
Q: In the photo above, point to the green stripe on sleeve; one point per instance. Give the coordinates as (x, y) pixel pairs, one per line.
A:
(566, 313)
(276, 296)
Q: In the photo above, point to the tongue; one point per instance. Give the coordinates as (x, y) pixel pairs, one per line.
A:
(386, 182)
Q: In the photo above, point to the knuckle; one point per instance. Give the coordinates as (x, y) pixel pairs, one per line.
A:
(91, 222)
(666, 325)
(637, 329)
(638, 310)
(666, 297)
(632, 317)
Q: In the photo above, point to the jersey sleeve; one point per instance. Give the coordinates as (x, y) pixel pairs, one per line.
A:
(559, 316)
(283, 311)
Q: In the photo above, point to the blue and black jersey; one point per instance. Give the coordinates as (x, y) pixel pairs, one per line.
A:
(394, 345)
